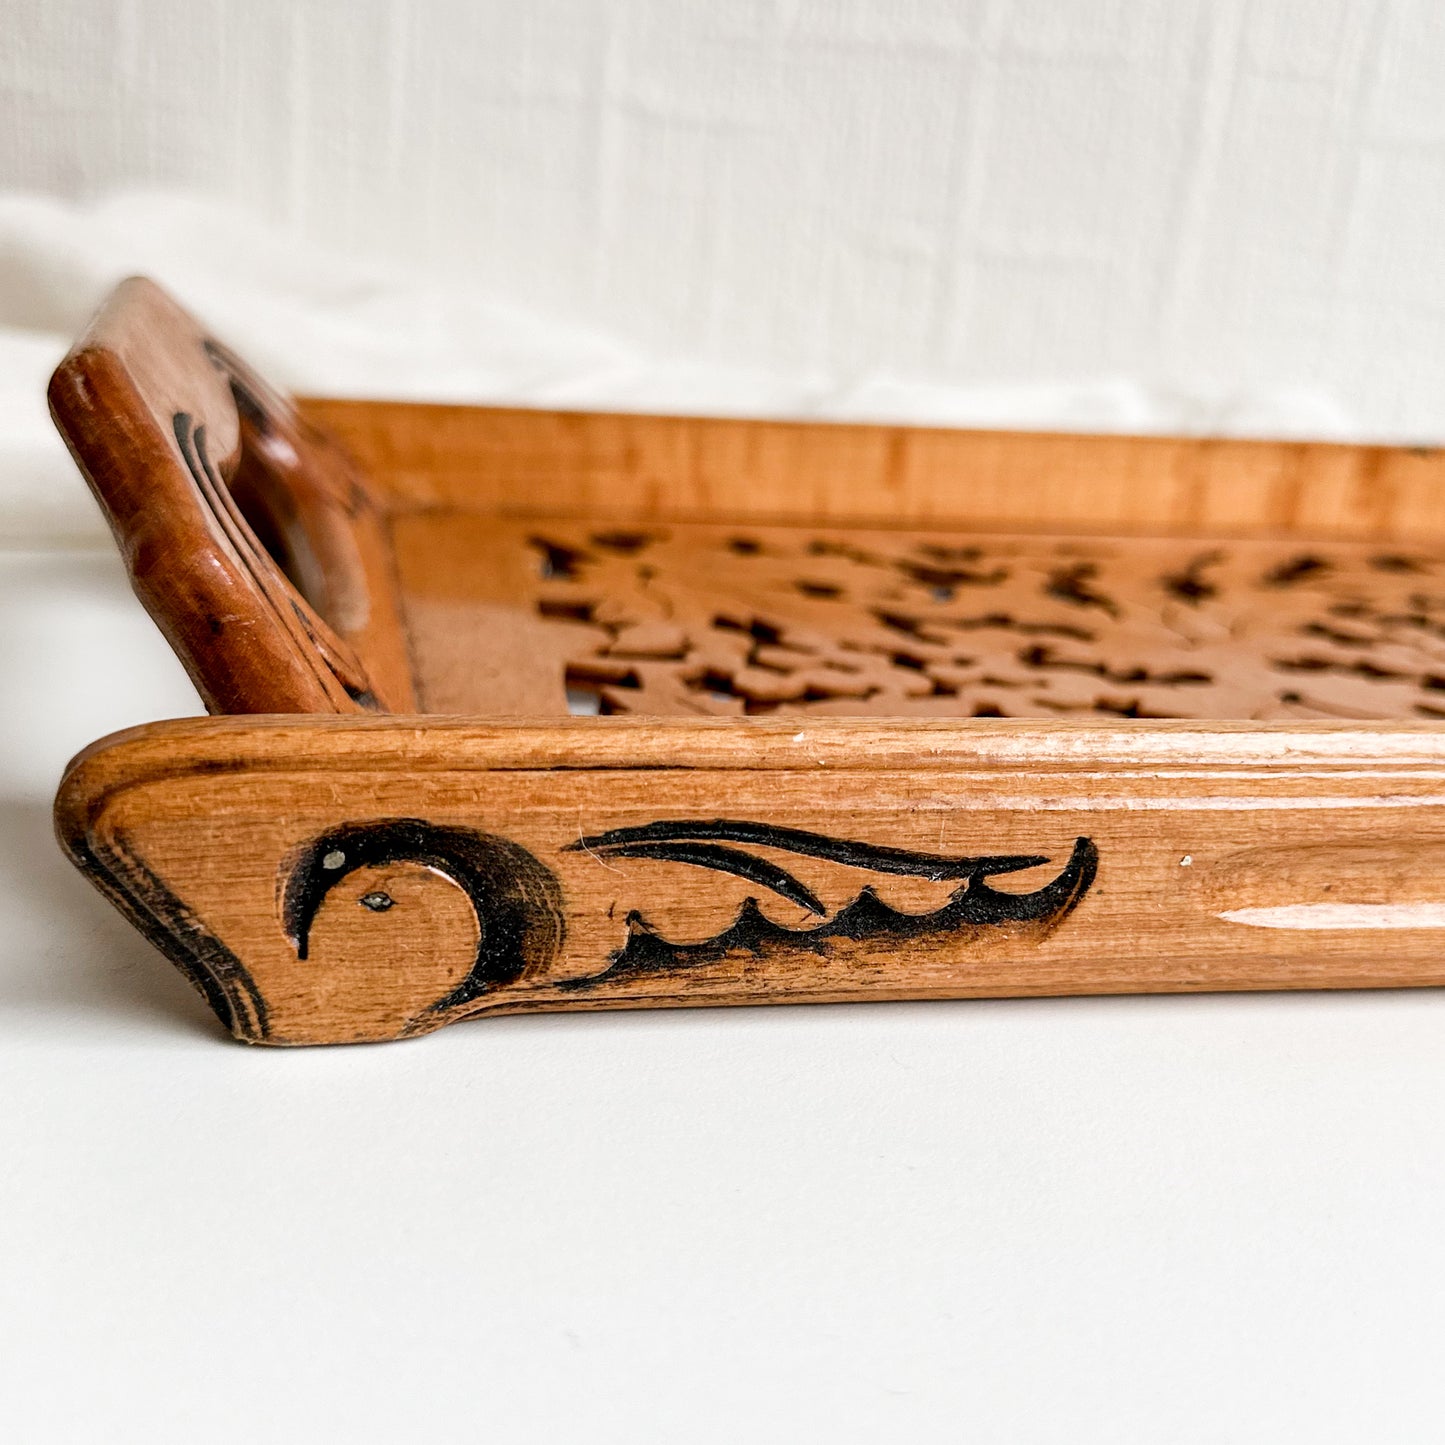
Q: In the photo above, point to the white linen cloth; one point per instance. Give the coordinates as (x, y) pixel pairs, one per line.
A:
(318, 323)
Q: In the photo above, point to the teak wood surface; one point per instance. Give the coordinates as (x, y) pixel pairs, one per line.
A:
(894, 712)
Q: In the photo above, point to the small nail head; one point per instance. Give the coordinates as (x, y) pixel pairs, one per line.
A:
(334, 859)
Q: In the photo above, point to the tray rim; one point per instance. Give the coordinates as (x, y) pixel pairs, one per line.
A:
(807, 471)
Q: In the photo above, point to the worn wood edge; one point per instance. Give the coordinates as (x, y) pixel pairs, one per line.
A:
(74, 834)
(436, 744)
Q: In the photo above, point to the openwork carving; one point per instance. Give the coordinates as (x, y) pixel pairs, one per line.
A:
(725, 621)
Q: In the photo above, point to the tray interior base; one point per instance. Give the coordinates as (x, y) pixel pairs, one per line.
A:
(545, 615)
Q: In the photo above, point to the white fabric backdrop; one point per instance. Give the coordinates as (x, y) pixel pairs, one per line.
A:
(1211, 198)
(318, 322)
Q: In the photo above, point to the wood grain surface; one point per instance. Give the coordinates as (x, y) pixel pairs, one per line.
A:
(323, 880)
(626, 467)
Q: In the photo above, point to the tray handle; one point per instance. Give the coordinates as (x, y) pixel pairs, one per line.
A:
(250, 536)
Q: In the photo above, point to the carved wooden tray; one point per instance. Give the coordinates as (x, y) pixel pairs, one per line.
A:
(538, 710)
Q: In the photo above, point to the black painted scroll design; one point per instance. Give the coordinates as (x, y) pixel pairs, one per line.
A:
(973, 909)
(517, 900)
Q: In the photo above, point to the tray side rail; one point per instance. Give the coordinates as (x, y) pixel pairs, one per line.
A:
(333, 880)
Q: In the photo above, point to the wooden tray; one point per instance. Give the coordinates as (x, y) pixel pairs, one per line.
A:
(865, 712)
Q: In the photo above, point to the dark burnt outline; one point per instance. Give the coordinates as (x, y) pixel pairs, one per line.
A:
(972, 909)
(516, 898)
(619, 842)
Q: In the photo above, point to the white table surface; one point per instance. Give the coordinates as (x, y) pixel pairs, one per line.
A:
(1186, 1219)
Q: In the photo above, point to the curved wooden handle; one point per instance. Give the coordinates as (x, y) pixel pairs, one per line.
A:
(249, 535)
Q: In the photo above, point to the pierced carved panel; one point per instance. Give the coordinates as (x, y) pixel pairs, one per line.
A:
(713, 620)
